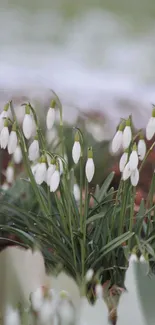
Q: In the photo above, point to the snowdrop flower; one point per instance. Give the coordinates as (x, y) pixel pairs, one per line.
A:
(28, 125)
(89, 275)
(55, 180)
(142, 259)
(99, 291)
(66, 312)
(13, 140)
(17, 155)
(123, 161)
(117, 140)
(60, 165)
(40, 174)
(133, 258)
(11, 316)
(126, 172)
(4, 136)
(133, 159)
(50, 118)
(50, 171)
(76, 150)
(4, 115)
(76, 192)
(10, 174)
(37, 299)
(46, 312)
(134, 177)
(5, 186)
(34, 168)
(141, 149)
(127, 135)
(90, 167)
(150, 128)
(33, 152)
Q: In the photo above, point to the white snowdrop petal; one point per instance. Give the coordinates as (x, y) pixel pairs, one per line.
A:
(123, 161)
(11, 316)
(76, 192)
(33, 152)
(50, 171)
(89, 275)
(60, 166)
(133, 160)
(40, 174)
(76, 151)
(37, 299)
(5, 186)
(4, 137)
(9, 174)
(133, 258)
(50, 118)
(55, 180)
(127, 137)
(150, 128)
(3, 115)
(90, 169)
(12, 143)
(28, 126)
(141, 149)
(117, 141)
(126, 172)
(134, 177)
(17, 155)
(99, 291)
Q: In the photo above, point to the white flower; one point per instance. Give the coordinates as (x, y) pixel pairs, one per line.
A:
(133, 258)
(60, 166)
(55, 180)
(89, 275)
(142, 259)
(11, 316)
(37, 299)
(99, 291)
(5, 186)
(3, 115)
(33, 152)
(46, 312)
(10, 174)
(117, 141)
(34, 168)
(28, 126)
(126, 172)
(50, 171)
(133, 160)
(50, 118)
(76, 192)
(66, 312)
(150, 128)
(4, 137)
(17, 155)
(141, 149)
(12, 143)
(76, 151)
(40, 174)
(90, 169)
(123, 161)
(134, 177)
(127, 137)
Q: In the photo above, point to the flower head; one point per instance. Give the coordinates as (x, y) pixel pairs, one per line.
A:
(27, 123)
(141, 149)
(126, 172)
(10, 174)
(133, 159)
(50, 171)
(17, 155)
(76, 192)
(90, 167)
(134, 177)
(89, 275)
(33, 151)
(127, 135)
(11, 316)
(123, 161)
(13, 140)
(50, 118)
(150, 128)
(55, 180)
(117, 140)
(4, 136)
(76, 150)
(40, 174)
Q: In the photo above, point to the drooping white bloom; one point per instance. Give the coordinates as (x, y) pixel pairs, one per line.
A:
(10, 174)
(17, 155)
(12, 143)
(4, 136)
(133, 159)
(76, 152)
(150, 128)
(50, 118)
(37, 299)
(34, 168)
(123, 161)
(141, 149)
(126, 172)
(50, 171)
(28, 125)
(89, 275)
(40, 174)
(3, 115)
(66, 312)
(5, 186)
(134, 177)
(127, 137)
(90, 169)
(33, 152)
(76, 192)
(117, 141)
(142, 259)
(46, 312)
(133, 258)
(99, 291)
(11, 316)
(55, 180)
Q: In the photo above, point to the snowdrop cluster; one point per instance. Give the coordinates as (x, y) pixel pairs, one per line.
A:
(123, 137)
(130, 169)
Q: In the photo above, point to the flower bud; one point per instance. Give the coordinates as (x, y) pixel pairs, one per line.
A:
(3, 116)
(133, 159)
(4, 136)
(150, 128)
(10, 174)
(99, 291)
(89, 275)
(13, 141)
(33, 152)
(40, 174)
(141, 149)
(27, 123)
(17, 155)
(5, 186)
(50, 118)
(50, 171)
(76, 150)
(123, 161)
(126, 172)
(55, 180)
(11, 316)
(90, 167)
(134, 177)
(127, 135)
(76, 192)
(117, 140)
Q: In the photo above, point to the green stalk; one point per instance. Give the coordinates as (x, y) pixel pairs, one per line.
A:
(150, 202)
(123, 208)
(84, 229)
(132, 193)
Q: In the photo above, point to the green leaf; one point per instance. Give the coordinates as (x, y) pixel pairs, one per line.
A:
(102, 192)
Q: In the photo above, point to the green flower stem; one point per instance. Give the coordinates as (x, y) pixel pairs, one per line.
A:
(116, 203)
(146, 156)
(123, 206)
(132, 196)
(84, 229)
